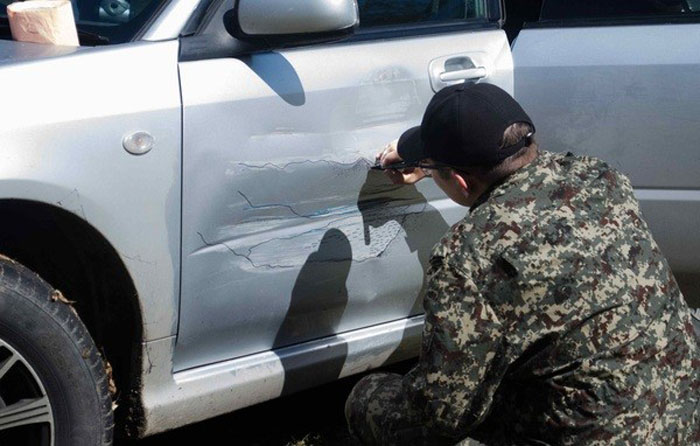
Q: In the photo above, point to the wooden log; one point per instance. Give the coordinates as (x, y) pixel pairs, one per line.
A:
(43, 21)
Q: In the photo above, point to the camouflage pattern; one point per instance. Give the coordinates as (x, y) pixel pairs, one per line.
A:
(551, 318)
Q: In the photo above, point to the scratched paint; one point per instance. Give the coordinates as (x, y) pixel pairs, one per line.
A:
(265, 231)
(287, 234)
(318, 254)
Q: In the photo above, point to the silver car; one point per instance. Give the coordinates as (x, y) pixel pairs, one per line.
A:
(188, 221)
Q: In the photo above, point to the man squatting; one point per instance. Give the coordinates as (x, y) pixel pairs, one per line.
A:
(551, 316)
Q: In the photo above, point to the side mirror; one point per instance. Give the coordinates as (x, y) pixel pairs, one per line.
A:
(292, 22)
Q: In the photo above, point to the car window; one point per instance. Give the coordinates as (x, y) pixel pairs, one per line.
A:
(594, 9)
(115, 21)
(377, 13)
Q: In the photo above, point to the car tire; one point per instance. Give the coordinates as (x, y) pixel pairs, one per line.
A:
(54, 390)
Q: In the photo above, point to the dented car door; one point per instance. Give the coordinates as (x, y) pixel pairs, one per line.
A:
(288, 236)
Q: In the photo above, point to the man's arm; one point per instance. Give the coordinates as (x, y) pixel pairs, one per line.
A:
(463, 357)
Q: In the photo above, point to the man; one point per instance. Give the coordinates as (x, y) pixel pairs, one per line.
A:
(551, 315)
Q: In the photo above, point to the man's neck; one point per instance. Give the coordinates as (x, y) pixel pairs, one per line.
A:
(481, 188)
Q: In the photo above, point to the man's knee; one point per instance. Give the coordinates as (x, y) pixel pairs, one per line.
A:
(378, 412)
(374, 402)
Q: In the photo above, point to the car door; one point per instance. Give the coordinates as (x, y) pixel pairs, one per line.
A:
(618, 80)
(288, 236)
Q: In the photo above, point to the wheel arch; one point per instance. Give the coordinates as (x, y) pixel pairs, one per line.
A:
(75, 258)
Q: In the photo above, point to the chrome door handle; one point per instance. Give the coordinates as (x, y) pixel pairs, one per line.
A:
(457, 68)
(466, 75)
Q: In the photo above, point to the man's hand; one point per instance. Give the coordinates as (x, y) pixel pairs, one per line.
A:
(390, 155)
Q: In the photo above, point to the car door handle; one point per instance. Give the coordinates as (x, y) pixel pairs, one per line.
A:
(468, 74)
(457, 68)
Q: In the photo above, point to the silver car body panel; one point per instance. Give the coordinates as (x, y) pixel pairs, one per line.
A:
(287, 235)
(16, 52)
(61, 144)
(172, 400)
(628, 95)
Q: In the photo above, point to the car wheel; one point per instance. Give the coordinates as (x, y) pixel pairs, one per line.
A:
(53, 387)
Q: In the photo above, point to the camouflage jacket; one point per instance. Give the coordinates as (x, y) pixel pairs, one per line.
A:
(553, 318)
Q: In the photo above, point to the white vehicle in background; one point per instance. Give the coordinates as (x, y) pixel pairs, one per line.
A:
(187, 209)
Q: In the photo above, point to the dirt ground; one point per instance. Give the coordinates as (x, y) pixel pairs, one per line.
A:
(309, 418)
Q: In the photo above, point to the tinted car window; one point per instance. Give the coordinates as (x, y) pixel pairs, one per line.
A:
(115, 21)
(591, 9)
(374, 13)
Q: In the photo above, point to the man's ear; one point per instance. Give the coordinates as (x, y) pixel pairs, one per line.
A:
(461, 180)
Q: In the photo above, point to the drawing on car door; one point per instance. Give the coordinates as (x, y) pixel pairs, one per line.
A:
(288, 236)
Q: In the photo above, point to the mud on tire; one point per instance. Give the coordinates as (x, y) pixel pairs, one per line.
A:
(53, 386)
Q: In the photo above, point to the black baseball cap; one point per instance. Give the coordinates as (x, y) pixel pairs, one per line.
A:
(463, 126)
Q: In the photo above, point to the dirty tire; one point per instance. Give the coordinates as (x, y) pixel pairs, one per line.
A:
(52, 340)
